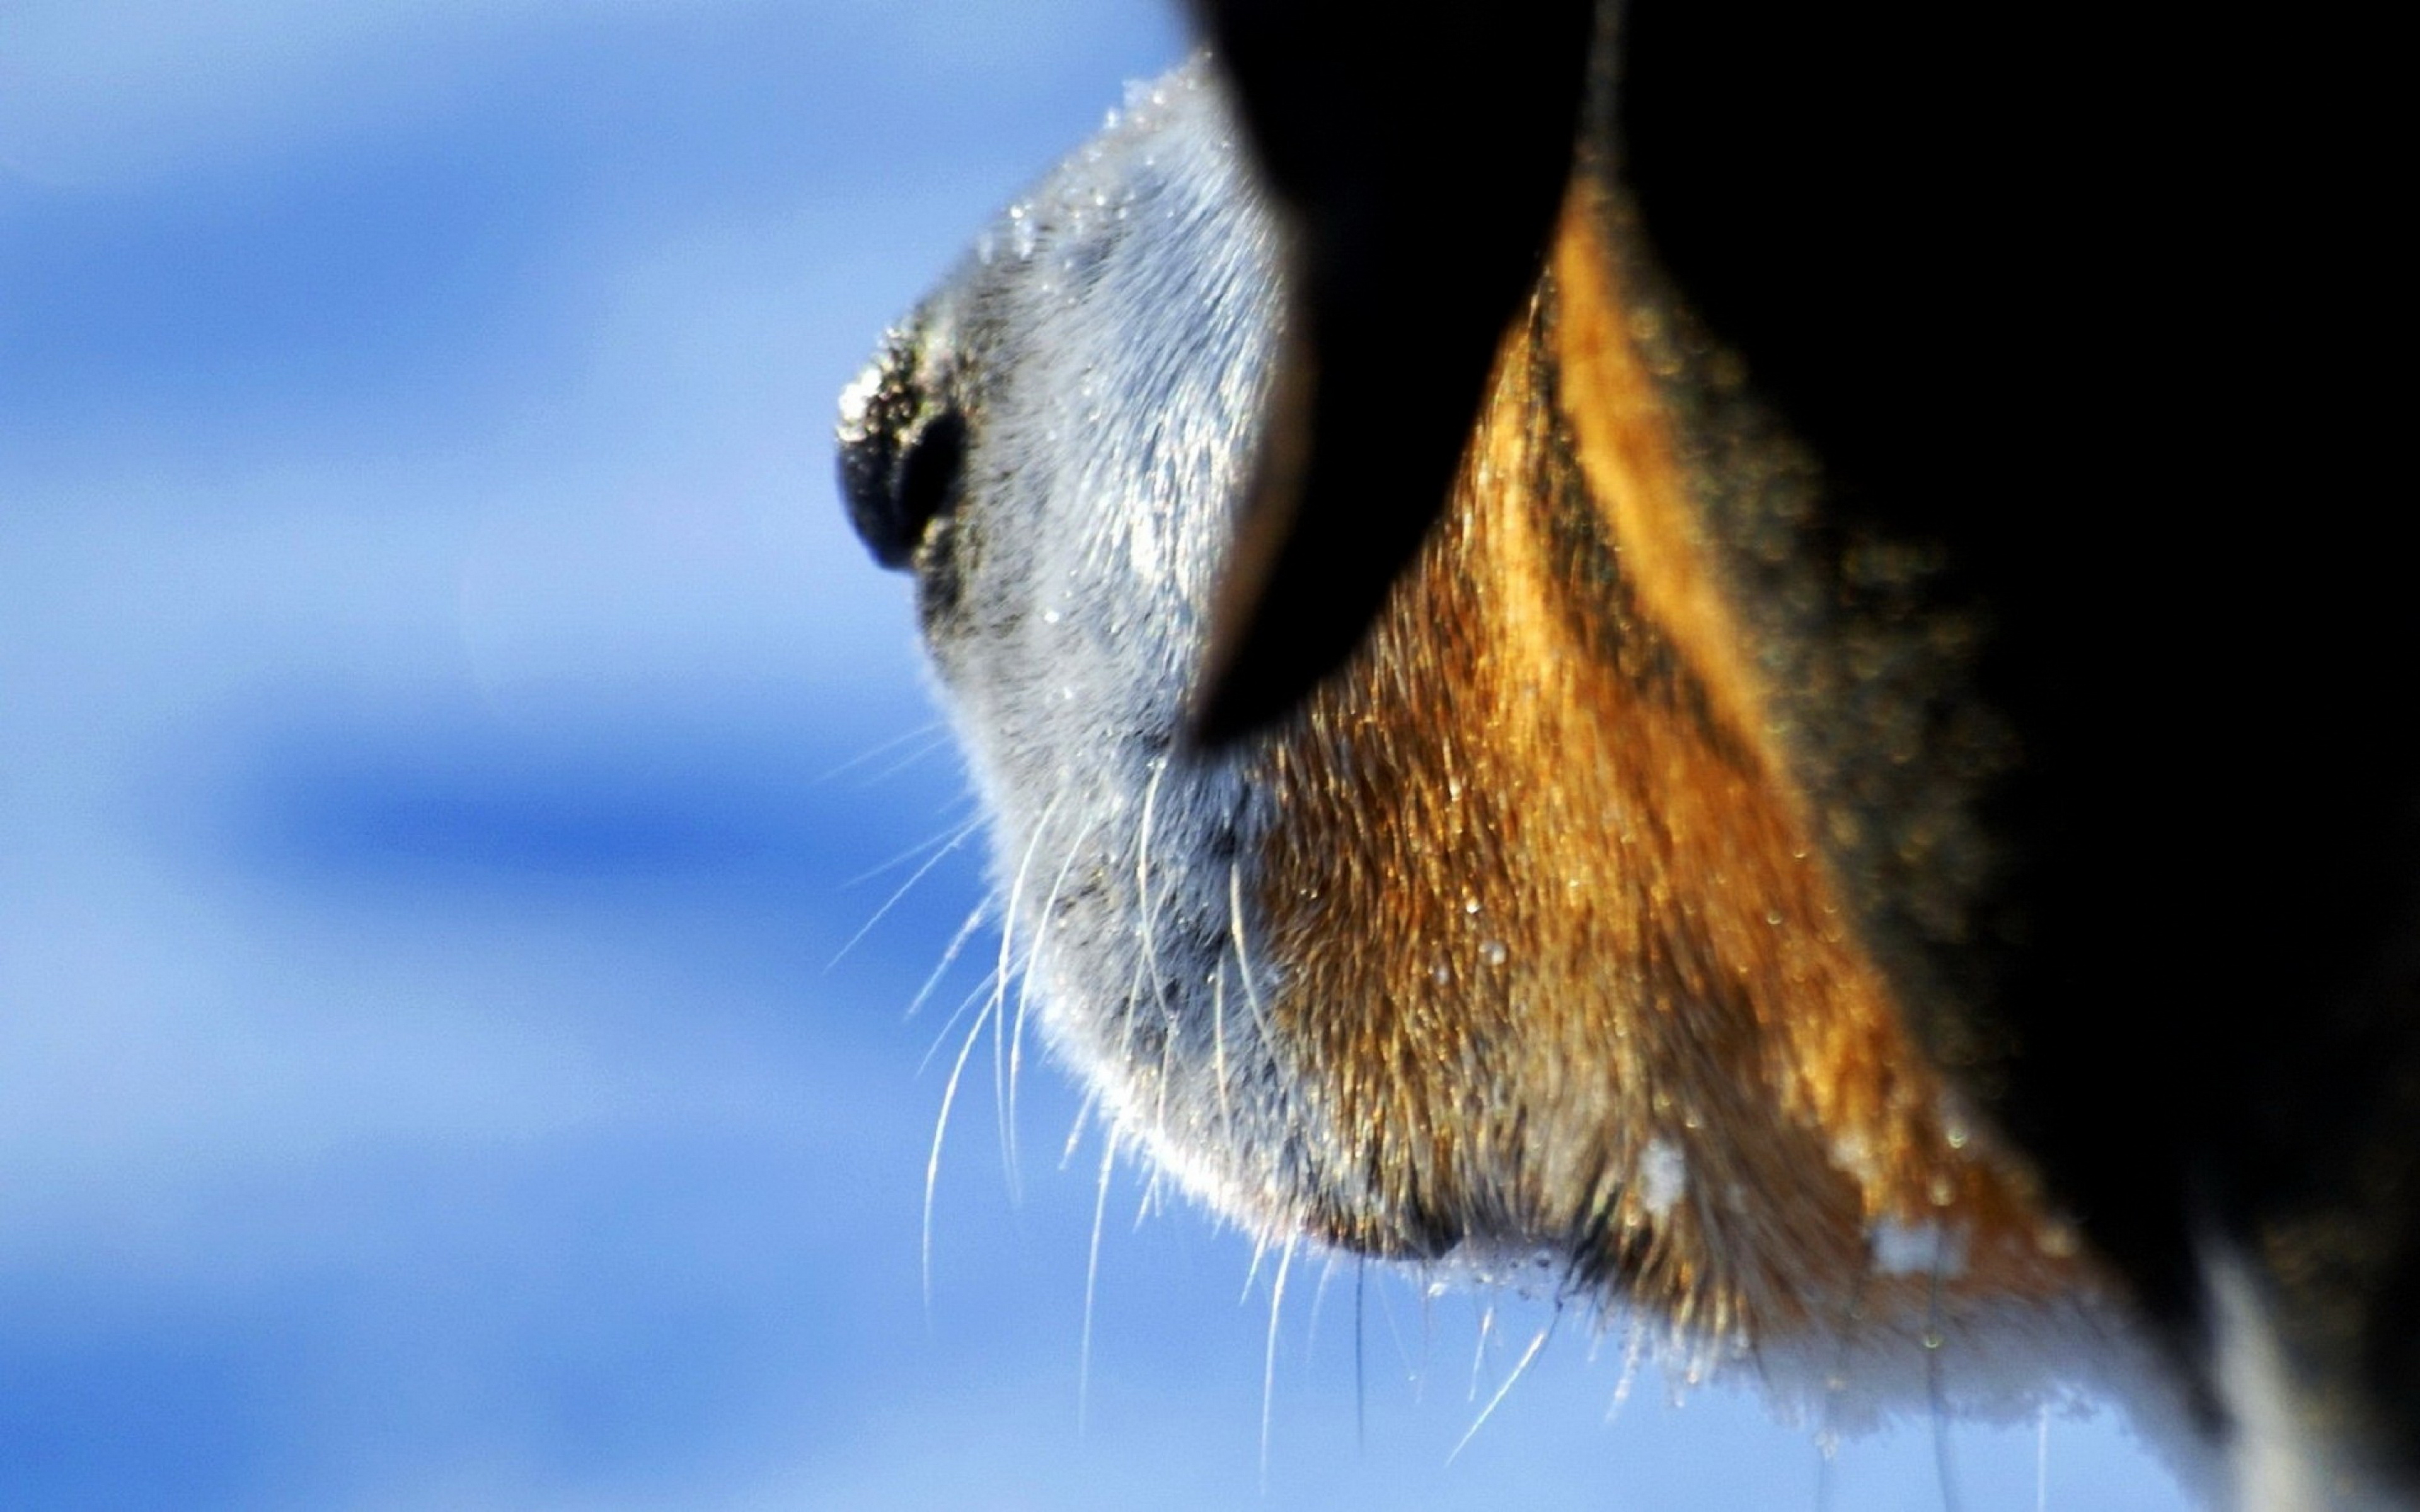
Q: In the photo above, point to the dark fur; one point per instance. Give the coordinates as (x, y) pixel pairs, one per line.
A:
(2081, 313)
(2022, 283)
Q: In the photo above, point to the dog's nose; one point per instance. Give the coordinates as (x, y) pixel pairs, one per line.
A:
(901, 454)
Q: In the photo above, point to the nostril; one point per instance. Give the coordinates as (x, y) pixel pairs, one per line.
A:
(930, 473)
(901, 455)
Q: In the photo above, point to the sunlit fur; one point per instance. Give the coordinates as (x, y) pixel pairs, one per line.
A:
(1528, 942)
(1549, 902)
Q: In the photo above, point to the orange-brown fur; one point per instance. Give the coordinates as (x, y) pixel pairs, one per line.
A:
(1817, 716)
(1551, 894)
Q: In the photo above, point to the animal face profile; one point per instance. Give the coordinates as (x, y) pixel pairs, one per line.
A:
(1643, 735)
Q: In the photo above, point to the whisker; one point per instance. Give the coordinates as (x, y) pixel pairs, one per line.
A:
(1634, 1349)
(970, 827)
(1084, 1112)
(946, 836)
(2041, 1457)
(1147, 928)
(1478, 1355)
(1147, 1205)
(1025, 980)
(1168, 1049)
(981, 993)
(1404, 1360)
(1827, 1437)
(1093, 1279)
(1147, 915)
(1269, 1360)
(949, 954)
(1219, 1048)
(1934, 1343)
(1252, 1271)
(997, 1012)
(1127, 1021)
(1520, 1368)
(932, 731)
(1142, 927)
(939, 742)
(1003, 1102)
(1360, 1355)
(1243, 953)
(1318, 1304)
(932, 1163)
(1428, 1295)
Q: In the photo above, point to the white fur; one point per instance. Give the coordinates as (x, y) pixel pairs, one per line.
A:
(1113, 330)
(1107, 343)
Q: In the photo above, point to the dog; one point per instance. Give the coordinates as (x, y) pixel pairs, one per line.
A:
(1661, 642)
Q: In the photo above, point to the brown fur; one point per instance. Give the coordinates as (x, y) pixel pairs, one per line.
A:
(1837, 775)
(1550, 895)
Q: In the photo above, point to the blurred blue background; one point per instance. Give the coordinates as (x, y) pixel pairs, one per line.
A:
(448, 743)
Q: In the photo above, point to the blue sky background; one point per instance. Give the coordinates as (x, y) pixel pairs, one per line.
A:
(448, 739)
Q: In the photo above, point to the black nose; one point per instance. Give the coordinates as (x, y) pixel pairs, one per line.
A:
(901, 454)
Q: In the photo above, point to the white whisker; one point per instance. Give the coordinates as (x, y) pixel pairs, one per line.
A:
(1269, 1360)
(1147, 915)
(1003, 1100)
(958, 839)
(2041, 1457)
(1093, 1279)
(932, 731)
(975, 916)
(1169, 1047)
(1147, 932)
(1252, 1271)
(1243, 954)
(1075, 1131)
(1478, 1355)
(981, 993)
(949, 835)
(1025, 979)
(1404, 1357)
(1827, 1437)
(1520, 1368)
(1360, 1353)
(939, 742)
(1428, 1295)
(1126, 1021)
(932, 1163)
(1935, 1342)
(997, 1010)
(1634, 1349)
(1318, 1302)
(1220, 1088)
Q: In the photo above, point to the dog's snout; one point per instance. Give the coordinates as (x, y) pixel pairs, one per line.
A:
(901, 454)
